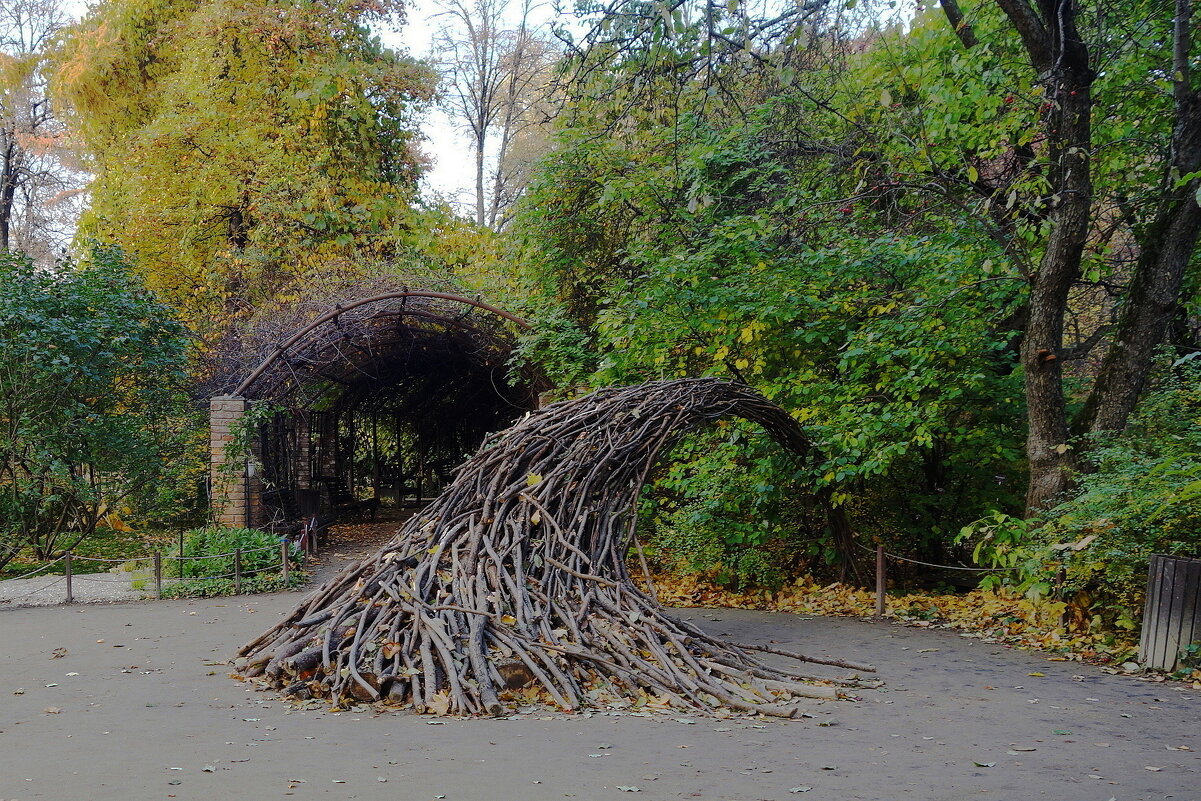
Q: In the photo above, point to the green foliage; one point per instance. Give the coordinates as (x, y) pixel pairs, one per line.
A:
(686, 227)
(208, 564)
(91, 403)
(714, 508)
(1140, 498)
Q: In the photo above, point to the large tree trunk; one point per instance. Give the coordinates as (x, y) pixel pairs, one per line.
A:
(1166, 248)
(1060, 58)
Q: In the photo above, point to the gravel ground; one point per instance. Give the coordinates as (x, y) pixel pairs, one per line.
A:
(344, 544)
(132, 702)
(104, 588)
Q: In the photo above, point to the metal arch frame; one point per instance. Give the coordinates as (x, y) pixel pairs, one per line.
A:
(325, 318)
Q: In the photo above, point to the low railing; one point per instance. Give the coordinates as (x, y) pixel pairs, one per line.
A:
(70, 576)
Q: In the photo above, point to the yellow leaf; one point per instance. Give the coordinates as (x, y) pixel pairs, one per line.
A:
(533, 479)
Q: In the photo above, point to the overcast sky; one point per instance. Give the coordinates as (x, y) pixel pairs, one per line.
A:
(453, 175)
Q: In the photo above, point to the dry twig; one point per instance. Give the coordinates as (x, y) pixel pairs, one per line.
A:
(517, 575)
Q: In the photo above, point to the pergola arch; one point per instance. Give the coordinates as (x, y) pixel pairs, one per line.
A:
(426, 366)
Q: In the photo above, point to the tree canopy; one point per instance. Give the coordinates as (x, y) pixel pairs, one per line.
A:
(237, 146)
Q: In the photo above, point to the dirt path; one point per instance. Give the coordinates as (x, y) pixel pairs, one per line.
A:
(145, 710)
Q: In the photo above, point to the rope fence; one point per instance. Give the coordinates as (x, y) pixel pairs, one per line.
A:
(882, 558)
(240, 572)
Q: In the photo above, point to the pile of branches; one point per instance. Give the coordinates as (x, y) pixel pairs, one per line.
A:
(515, 578)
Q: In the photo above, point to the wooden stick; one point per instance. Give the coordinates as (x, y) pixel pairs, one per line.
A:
(881, 580)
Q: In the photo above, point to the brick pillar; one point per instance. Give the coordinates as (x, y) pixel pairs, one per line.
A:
(228, 479)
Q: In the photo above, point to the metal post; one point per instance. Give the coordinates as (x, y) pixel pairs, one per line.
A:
(881, 581)
(158, 575)
(283, 555)
(237, 571)
(67, 572)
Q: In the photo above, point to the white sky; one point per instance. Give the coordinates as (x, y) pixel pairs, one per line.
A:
(453, 173)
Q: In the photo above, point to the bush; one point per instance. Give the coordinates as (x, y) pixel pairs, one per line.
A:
(91, 383)
(715, 508)
(208, 564)
(1141, 496)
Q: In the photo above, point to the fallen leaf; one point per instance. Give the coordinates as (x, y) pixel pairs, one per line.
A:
(984, 764)
(52, 710)
(799, 789)
(1151, 767)
(628, 788)
(1036, 673)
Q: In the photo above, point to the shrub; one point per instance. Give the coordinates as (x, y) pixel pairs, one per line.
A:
(1140, 496)
(91, 384)
(208, 565)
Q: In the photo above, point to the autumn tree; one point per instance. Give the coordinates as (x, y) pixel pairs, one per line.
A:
(496, 79)
(239, 146)
(37, 181)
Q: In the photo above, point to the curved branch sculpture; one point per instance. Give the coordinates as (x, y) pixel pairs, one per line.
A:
(516, 575)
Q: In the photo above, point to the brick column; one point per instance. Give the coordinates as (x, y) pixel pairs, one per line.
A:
(228, 499)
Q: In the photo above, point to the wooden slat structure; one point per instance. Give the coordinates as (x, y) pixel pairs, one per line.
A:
(1172, 616)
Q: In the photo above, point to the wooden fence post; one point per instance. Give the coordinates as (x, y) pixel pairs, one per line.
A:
(67, 573)
(237, 571)
(881, 580)
(158, 575)
(283, 553)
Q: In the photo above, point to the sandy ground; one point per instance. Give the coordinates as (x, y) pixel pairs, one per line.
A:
(141, 707)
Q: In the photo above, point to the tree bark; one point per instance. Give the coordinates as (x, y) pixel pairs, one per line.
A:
(1165, 249)
(8, 190)
(1061, 59)
(479, 182)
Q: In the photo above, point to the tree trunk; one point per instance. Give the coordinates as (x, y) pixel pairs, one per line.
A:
(479, 181)
(1047, 449)
(1166, 248)
(1147, 312)
(1060, 58)
(8, 190)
